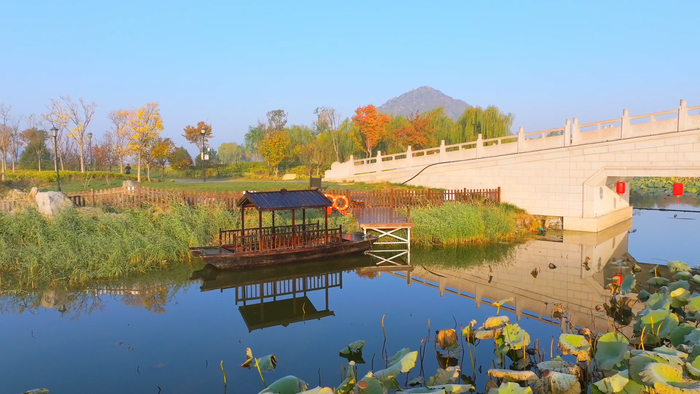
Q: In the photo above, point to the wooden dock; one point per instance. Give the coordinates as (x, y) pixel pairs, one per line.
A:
(386, 224)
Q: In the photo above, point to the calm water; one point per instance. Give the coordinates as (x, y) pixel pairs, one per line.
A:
(166, 333)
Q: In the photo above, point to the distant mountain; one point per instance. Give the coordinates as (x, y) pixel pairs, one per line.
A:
(424, 99)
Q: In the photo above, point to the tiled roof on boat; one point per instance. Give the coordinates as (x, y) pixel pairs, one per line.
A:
(284, 200)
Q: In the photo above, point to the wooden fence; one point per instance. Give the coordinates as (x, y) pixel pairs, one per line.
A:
(136, 196)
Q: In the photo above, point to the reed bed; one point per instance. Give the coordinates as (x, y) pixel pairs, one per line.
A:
(84, 245)
(456, 223)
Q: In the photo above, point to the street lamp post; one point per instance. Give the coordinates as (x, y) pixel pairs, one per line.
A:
(203, 156)
(89, 135)
(54, 132)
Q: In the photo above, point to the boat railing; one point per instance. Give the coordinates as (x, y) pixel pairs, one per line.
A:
(286, 240)
(226, 237)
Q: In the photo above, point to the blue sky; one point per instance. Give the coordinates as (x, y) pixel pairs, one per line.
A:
(229, 62)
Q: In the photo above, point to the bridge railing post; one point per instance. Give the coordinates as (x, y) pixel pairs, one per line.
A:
(625, 124)
(443, 151)
(682, 115)
(521, 139)
(575, 136)
(567, 133)
(379, 161)
(351, 166)
(479, 146)
(409, 156)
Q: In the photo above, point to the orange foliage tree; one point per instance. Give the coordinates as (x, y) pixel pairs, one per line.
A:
(194, 134)
(370, 126)
(417, 133)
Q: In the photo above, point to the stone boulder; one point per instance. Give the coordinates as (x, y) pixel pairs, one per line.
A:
(51, 203)
(131, 185)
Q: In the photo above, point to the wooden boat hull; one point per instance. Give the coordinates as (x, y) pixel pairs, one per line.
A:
(227, 260)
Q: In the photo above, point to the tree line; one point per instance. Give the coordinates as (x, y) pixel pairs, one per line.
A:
(135, 135)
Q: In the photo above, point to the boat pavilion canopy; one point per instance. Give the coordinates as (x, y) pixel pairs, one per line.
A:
(284, 200)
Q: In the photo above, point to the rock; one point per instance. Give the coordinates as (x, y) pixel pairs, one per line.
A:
(131, 185)
(289, 177)
(553, 223)
(16, 194)
(33, 192)
(51, 203)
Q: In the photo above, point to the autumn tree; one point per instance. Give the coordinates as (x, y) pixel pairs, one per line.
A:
(180, 158)
(416, 132)
(198, 135)
(120, 134)
(158, 154)
(273, 148)
(370, 127)
(328, 121)
(76, 117)
(146, 127)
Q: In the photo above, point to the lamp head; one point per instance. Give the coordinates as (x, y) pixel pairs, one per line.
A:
(54, 131)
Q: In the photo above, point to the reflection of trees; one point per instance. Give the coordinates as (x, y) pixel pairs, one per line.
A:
(665, 200)
(152, 292)
(465, 256)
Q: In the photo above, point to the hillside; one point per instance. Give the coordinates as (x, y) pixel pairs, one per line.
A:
(424, 99)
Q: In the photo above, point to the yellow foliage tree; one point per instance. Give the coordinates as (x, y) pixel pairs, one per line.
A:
(146, 127)
(273, 148)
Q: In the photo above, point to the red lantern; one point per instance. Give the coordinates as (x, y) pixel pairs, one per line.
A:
(617, 279)
(677, 189)
(620, 187)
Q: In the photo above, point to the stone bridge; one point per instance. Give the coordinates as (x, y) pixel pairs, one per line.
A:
(568, 172)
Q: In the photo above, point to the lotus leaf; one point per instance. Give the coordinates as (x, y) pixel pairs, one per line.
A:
(667, 379)
(675, 266)
(287, 385)
(349, 382)
(513, 376)
(654, 269)
(454, 388)
(693, 338)
(619, 263)
(680, 297)
(660, 322)
(671, 352)
(641, 359)
(643, 295)
(353, 347)
(679, 284)
(559, 383)
(404, 364)
(696, 279)
(249, 358)
(481, 333)
(510, 388)
(658, 281)
(399, 355)
(628, 283)
(692, 316)
(515, 337)
(693, 303)
(560, 366)
(318, 390)
(683, 275)
(611, 349)
(424, 390)
(658, 301)
(576, 345)
(693, 368)
(444, 376)
(370, 385)
(495, 322)
(613, 384)
(447, 339)
(267, 363)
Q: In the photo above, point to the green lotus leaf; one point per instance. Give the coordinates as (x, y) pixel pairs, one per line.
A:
(495, 322)
(267, 363)
(693, 338)
(287, 385)
(696, 279)
(556, 382)
(613, 384)
(611, 349)
(513, 376)
(680, 297)
(353, 347)
(318, 390)
(399, 355)
(658, 281)
(694, 368)
(404, 364)
(444, 376)
(642, 358)
(660, 323)
(683, 275)
(370, 385)
(679, 284)
(349, 382)
(693, 303)
(423, 390)
(675, 266)
(510, 388)
(576, 345)
(692, 316)
(668, 379)
(670, 351)
(454, 388)
(658, 301)
(628, 283)
(560, 366)
(643, 295)
(515, 337)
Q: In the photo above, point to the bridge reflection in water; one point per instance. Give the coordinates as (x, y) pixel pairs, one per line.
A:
(535, 287)
(279, 295)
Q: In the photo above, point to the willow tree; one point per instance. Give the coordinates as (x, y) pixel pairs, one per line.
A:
(146, 127)
(489, 122)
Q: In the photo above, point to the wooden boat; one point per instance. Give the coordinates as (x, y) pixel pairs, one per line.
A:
(265, 246)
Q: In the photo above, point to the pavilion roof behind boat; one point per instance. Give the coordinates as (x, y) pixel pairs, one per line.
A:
(284, 200)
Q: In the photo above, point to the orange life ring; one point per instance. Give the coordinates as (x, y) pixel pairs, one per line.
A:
(329, 210)
(344, 206)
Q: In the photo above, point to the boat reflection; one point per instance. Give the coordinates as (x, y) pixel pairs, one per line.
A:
(279, 295)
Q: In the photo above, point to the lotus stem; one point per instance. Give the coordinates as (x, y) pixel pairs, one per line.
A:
(551, 349)
(222, 370)
(658, 330)
(641, 340)
(652, 322)
(260, 372)
(471, 358)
